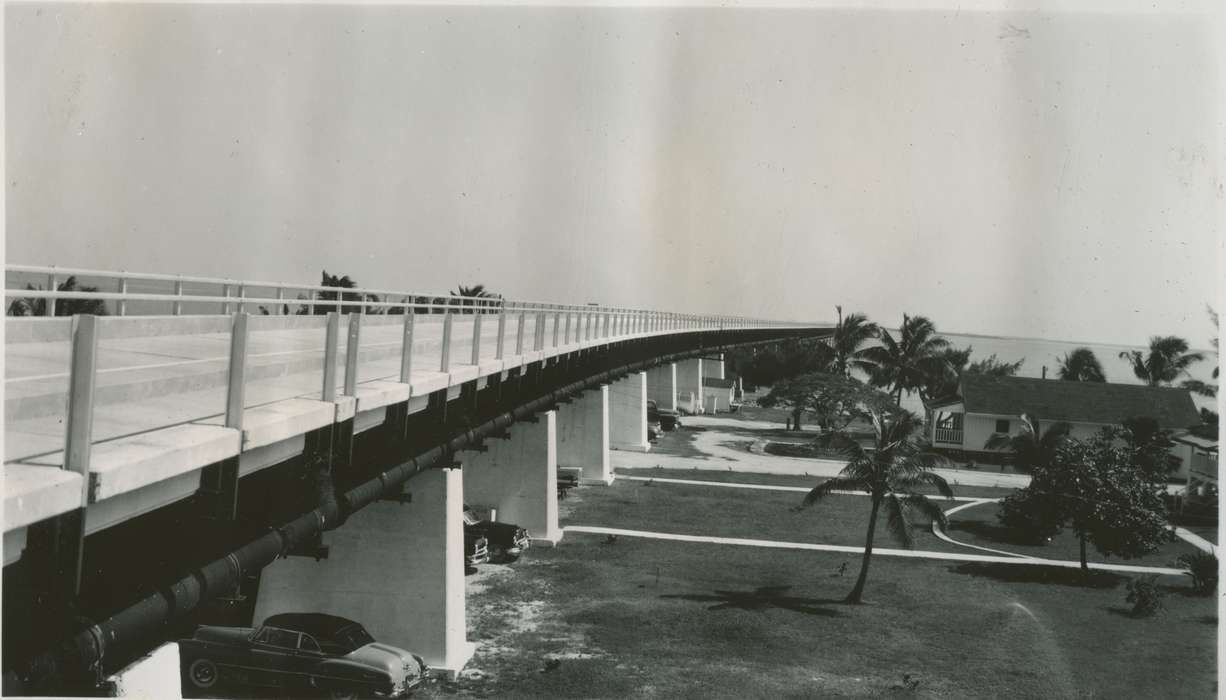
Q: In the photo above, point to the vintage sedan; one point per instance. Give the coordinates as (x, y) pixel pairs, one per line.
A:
(506, 541)
(300, 654)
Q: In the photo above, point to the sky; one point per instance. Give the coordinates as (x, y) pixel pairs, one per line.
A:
(1038, 174)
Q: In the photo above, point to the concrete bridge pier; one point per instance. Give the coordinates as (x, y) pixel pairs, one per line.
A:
(396, 568)
(583, 436)
(628, 414)
(689, 381)
(714, 367)
(518, 477)
(662, 386)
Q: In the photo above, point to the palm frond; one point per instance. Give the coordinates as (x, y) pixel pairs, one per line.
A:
(896, 521)
(825, 488)
(924, 505)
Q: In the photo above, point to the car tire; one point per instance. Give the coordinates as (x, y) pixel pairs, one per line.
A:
(342, 694)
(203, 674)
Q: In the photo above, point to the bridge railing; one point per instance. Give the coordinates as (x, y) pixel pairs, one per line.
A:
(141, 369)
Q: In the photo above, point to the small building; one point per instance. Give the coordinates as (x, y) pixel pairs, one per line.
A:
(986, 405)
(718, 393)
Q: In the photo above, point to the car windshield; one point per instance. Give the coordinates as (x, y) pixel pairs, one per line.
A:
(353, 637)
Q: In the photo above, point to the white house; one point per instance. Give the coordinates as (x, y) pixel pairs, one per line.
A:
(987, 405)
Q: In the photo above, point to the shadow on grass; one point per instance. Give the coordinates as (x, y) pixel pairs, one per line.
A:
(994, 532)
(1029, 573)
(761, 598)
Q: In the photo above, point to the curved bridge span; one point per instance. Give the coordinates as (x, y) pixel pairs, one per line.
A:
(194, 444)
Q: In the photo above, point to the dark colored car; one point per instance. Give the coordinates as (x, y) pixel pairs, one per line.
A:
(476, 547)
(507, 541)
(665, 418)
(300, 654)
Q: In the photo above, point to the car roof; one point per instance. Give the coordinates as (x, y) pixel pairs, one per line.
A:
(314, 624)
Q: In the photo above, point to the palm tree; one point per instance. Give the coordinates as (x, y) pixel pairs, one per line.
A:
(63, 307)
(1196, 385)
(845, 342)
(1168, 358)
(471, 294)
(1080, 365)
(914, 362)
(887, 472)
(1032, 448)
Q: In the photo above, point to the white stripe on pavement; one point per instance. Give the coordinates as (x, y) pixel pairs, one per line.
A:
(907, 553)
(767, 487)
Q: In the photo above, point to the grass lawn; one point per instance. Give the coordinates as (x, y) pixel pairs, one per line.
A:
(978, 525)
(651, 619)
(727, 476)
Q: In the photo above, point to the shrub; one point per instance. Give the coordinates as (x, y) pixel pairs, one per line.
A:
(1202, 566)
(1145, 596)
(1029, 515)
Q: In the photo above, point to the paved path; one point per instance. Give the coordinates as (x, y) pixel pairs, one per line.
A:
(720, 457)
(767, 487)
(1196, 540)
(883, 551)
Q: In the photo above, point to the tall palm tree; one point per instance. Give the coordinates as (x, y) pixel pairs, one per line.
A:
(63, 307)
(471, 294)
(847, 340)
(1168, 357)
(1080, 365)
(897, 463)
(913, 362)
(1032, 448)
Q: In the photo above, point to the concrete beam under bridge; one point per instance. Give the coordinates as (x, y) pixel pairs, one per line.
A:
(628, 413)
(662, 386)
(396, 568)
(583, 436)
(518, 477)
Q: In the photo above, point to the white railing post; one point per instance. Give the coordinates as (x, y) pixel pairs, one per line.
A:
(566, 330)
(81, 378)
(539, 331)
(281, 310)
(519, 333)
(52, 284)
(122, 305)
(557, 324)
(236, 371)
(242, 294)
(331, 340)
(406, 346)
(178, 305)
(477, 314)
(225, 305)
(352, 347)
(502, 333)
(444, 364)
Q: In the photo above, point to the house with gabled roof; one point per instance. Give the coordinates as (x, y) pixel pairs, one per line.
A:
(986, 405)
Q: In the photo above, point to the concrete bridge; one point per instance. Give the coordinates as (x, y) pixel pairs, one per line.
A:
(182, 457)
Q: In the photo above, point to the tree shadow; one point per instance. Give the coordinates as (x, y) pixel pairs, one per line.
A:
(993, 532)
(759, 599)
(1030, 573)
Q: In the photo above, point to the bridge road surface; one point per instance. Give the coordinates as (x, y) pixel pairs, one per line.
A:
(156, 381)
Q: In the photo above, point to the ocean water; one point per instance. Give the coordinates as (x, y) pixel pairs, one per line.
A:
(1037, 353)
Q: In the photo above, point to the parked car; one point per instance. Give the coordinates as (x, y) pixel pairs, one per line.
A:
(297, 654)
(665, 418)
(476, 547)
(506, 541)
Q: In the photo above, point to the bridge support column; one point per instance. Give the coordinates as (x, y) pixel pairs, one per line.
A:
(628, 414)
(689, 381)
(396, 568)
(712, 367)
(662, 386)
(583, 436)
(519, 478)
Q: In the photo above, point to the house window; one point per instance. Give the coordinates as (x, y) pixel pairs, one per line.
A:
(1002, 426)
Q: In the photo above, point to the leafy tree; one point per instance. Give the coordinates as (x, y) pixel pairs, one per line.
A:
(1101, 489)
(834, 399)
(32, 306)
(1080, 365)
(897, 463)
(847, 341)
(1167, 359)
(993, 367)
(911, 363)
(764, 366)
(1196, 385)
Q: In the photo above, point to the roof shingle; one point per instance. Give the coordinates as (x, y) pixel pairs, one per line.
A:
(1078, 402)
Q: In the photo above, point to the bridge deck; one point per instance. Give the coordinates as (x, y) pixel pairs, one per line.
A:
(161, 391)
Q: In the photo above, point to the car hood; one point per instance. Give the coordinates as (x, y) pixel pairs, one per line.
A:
(386, 657)
(222, 635)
